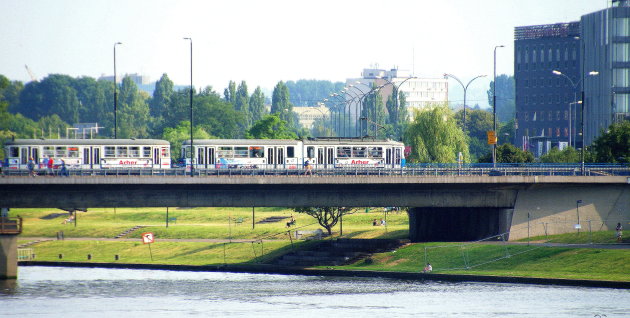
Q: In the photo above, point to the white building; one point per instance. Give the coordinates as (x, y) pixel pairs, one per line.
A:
(419, 92)
(308, 115)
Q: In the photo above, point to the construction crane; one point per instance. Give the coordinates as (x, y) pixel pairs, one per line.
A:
(33, 78)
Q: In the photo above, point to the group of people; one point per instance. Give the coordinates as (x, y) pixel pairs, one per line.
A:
(50, 167)
(377, 223)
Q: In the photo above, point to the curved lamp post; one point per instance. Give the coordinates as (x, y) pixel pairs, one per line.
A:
(115, 95)
(359, 105)
(465, 87)
(575, 86)
(395, 90)
(192, 150)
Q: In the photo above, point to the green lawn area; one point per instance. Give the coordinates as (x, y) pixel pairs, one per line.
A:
(221, 223)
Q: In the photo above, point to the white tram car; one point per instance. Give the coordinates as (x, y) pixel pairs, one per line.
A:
(89, 153)
(322, 153)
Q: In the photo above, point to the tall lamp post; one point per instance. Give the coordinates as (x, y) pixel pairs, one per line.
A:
(465, 87)
(494, 108)
(575, 86)
(192, 149)
(115, 95)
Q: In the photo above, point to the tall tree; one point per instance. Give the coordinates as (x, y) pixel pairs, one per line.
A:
(374, 112)
(308, 92)
(230, 93)
(506, 102)
(161, 96)
(282, 107)
(435, 136)
(398, 115)
(241, 103)
(133, 111)
(257, 105)
(53, 95)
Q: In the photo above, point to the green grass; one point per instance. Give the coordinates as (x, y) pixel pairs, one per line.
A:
(175, 253)
(583, 237)
(523, 261)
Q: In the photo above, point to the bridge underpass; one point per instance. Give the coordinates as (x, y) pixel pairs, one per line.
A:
(442, 208)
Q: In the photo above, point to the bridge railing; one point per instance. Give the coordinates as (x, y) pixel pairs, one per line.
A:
(424, 170)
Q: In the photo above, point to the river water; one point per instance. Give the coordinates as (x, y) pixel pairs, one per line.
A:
(87, 292)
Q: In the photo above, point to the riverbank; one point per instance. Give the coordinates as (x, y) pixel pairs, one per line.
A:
(274, 269)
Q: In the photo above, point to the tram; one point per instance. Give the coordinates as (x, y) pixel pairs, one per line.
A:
(89, 153)
(321, 153)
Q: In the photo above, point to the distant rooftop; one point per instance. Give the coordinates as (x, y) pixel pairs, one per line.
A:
(558, 30)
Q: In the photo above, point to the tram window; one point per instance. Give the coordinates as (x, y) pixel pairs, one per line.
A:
(358, 152)
(73, 152)
(49, 151)
(310, 152)
(240, 152)
(343, 152)
(14, 152)
(291, 152)
(110, 152)
(256, 152)
(225, 152)
(165, 152)
(146, 152)
(60, 151)
(121, 152)
(375, 152)
(187, 152)
(134, 152)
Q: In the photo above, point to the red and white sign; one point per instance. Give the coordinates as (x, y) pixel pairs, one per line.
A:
(126, 162)
(148, 238)
(360, 162)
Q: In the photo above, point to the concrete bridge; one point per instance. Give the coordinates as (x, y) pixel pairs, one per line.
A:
(444, 207)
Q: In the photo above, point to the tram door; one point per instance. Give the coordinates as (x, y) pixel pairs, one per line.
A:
(330, 156)
(156, 157)
(87, 162)
(201, 158)
(321, 158)
(211, 159)
(388, 158)
(35, 154)
(96, 157)
(275, 157)
(397, 157)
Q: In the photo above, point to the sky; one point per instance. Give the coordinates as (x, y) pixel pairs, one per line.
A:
(263, 42)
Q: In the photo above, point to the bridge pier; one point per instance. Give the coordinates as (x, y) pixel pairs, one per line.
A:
(9, 230)
(456, 224)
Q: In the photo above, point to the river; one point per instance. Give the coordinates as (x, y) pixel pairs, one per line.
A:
(95, 292)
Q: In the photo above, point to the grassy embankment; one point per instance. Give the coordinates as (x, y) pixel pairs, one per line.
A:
(218, 223)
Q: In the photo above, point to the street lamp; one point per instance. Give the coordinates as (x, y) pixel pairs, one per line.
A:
(571, 116)
(465, 87)
(395, 90)
(115, 95)
(494, 107)
(192, 150)
(575, 86)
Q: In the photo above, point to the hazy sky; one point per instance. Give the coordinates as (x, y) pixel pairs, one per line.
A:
(263, 42)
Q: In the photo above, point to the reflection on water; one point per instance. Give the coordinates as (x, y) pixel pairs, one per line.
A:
(80, 292)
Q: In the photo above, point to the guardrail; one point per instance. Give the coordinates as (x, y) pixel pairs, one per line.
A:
(322, 170)
(10, 225)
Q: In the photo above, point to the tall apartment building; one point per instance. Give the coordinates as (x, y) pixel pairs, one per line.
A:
(606, 46)
(546, 102)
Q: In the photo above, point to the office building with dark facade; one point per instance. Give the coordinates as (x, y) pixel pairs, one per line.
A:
(545, 102)
(563, 69)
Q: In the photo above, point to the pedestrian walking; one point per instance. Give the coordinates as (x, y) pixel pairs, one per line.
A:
(64, 170)
(31, 167)
(619, 230)
(49, 166)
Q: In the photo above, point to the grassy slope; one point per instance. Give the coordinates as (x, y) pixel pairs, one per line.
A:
(218, 223)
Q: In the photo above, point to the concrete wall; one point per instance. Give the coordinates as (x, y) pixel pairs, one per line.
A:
(552, 210)
(457, 224)
(8, 256)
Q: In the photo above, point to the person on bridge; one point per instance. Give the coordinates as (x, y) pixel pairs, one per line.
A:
(308, 168)
(49, 166)
(31, 167)
(64, 171)
(619, 230)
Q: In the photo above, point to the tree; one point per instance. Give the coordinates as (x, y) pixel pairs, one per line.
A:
(241, 103)
(398, 114)
(374, 111)
(176, 136)
(434, 136)
(133, 111)
(270, 127)
(282, 107)
(327, 217)
(161, 96)
(508, 153)
(230, 93)
(614, 145)
(308, 92)
(505, 97)
(566, 155)
(257, 105)
(216, 116)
